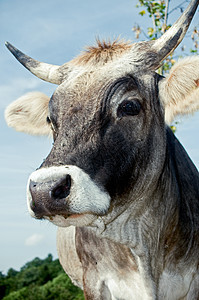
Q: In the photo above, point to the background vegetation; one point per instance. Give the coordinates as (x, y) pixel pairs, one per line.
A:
(38, 279)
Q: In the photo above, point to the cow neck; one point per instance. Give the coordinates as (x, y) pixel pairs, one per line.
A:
(153, 226)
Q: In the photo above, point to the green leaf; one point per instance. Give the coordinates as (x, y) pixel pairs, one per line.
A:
(142, 13)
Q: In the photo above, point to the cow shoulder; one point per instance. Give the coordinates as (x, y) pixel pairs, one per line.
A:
(181, 285)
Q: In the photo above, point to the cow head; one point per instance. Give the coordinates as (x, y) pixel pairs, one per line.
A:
(107, 118)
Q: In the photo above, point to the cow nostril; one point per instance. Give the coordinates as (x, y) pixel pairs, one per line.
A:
(63, 189)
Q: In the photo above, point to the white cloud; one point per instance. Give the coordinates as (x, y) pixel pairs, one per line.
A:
(34, 239)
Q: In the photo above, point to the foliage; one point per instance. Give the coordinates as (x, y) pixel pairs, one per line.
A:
(38, 279)
(195, 40)
(156, 11)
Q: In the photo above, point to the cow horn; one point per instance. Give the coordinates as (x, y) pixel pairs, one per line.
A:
(172, 37)
(47, 72)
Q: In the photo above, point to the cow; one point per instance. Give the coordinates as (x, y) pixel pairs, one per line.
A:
(117, 182)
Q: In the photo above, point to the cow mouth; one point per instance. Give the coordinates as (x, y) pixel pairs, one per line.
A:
(51, 216)
(65, 216)
(65, 220)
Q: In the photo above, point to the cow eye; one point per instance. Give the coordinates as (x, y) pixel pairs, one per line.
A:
(129, 108)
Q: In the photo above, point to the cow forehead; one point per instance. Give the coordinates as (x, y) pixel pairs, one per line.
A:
(101, 65)
(86, 82)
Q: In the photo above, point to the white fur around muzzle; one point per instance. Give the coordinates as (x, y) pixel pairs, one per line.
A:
(86, 199)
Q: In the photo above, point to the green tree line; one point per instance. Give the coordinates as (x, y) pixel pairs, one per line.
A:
(38, 279)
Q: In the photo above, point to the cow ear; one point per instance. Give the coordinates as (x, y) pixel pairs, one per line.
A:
(179, 91)
(28, 114)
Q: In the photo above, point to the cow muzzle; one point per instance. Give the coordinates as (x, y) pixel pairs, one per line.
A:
(66, 192)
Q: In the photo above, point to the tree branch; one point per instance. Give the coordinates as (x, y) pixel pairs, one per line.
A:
(179, 6)
(166, 16)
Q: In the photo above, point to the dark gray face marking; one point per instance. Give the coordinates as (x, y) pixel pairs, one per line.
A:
(113, 139)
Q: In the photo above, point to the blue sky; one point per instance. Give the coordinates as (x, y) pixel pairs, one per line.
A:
(52, 31)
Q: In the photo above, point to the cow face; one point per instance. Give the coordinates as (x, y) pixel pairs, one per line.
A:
(107, 118)
(104, 128)
(109, 140)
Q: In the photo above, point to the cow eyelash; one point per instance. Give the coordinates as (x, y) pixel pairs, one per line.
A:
(48, 120)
